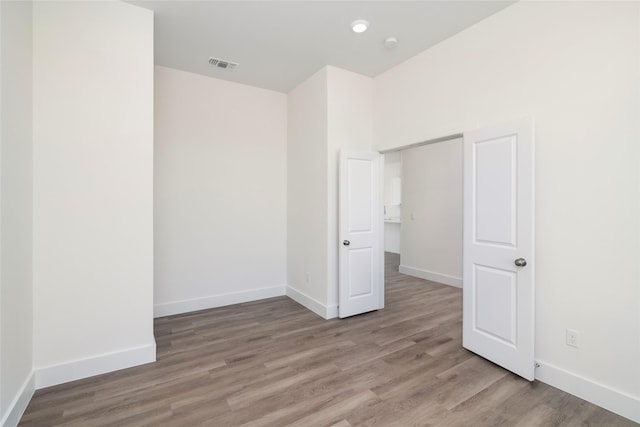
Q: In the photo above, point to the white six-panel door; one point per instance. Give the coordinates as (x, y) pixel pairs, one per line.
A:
(498, 245)
(361, 263)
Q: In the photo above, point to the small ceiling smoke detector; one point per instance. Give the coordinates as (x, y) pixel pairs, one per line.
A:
(390, 43)
(221, 63)
(359, 26)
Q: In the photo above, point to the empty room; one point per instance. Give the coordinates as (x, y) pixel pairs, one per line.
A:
(197, 226)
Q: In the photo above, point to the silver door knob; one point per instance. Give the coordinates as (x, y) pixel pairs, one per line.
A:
(520, 262)
(346, 242)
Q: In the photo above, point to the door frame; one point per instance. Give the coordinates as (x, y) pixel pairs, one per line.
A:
(420, 144)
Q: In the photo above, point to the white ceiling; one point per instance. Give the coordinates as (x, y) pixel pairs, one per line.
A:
(278, 44)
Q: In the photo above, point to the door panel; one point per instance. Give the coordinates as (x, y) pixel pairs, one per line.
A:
(359, 181)
(495, 191)
(361, 255)
(360, 268)
(495, 296)
(498, 295)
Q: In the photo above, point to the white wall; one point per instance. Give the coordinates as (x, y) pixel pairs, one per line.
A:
(392, 173)
(392, 195)
(574, 66)
(92, 188)
(220, 192)
(307, 191)
(349, 126)
(329, 111)
(431, 233)
(16, 289)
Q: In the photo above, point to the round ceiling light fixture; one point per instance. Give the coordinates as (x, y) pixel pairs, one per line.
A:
(359, 26)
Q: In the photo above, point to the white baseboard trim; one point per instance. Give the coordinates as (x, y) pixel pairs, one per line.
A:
(322, 310)
(19, 403)
(613, 400)
(212, 301)
(84, 368)
(430, 275)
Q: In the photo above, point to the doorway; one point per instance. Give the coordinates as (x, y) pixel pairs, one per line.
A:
(423, 211)
(497, 212)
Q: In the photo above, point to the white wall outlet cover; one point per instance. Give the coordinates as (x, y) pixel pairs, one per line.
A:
(573, 338)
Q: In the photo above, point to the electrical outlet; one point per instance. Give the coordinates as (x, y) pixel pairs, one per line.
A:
(573, 338)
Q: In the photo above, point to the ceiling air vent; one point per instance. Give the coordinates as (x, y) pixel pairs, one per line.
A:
(221, 63)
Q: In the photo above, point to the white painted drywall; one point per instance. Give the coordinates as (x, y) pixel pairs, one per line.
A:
(431, 233)
(392, 200)
(92, 188)
(328, 111)
(307, 191)
(16, 289)
(392, 173)
(574, 67)
(220, 192)
(349, 126)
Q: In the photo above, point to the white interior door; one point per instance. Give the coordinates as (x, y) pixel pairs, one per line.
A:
(498, 245)
(361, 263)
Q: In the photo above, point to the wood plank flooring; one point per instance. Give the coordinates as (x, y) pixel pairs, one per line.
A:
(274, 363)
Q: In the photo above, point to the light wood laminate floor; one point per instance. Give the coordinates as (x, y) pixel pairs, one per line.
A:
(274, 363)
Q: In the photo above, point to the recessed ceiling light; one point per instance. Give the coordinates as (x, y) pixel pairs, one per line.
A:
(359, 26)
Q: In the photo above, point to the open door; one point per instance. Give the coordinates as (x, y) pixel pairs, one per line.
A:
(498, 245)
(361, 254)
